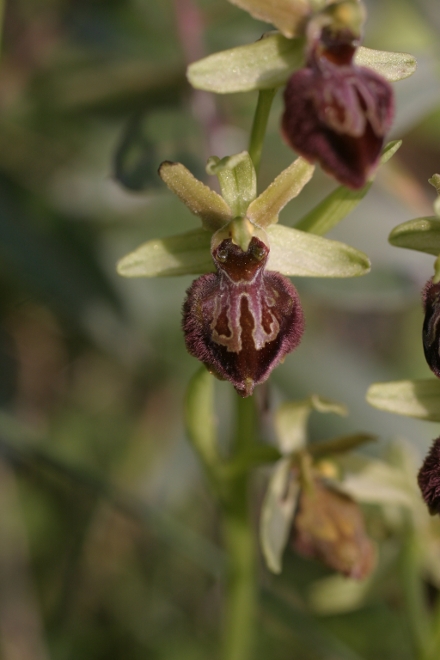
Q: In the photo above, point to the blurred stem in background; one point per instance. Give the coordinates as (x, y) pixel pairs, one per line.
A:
(416, 610)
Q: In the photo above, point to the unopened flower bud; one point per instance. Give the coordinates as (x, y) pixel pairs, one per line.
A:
(431, 327)
(429, 478)
(329, 526)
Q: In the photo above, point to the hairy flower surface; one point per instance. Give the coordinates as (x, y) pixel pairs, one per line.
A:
(431, 328)
(429, 478)
(338, 113)
(242, 320)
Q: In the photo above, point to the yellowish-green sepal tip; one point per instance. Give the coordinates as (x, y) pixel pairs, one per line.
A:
(422, 234)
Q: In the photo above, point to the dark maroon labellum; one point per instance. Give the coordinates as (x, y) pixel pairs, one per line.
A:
(242, 320)
(431, 326)
(338, 113)
(429, 478)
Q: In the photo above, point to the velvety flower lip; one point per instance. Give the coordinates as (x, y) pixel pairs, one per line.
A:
(242, 320)
(338, 113)
(431, 325)
(429, 478)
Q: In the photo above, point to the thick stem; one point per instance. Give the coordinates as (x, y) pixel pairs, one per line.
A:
(241, 590)
(265, 98)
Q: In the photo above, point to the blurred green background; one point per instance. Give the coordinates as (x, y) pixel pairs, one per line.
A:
(109, 541)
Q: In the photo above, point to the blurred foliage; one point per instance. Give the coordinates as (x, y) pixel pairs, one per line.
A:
(109, 542)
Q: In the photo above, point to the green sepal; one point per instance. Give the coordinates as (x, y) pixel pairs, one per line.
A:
(392, 66)
(238, 180)
(287, 15)
(339, 203)
(277, 513)
(422, 234)
(296, 253)
(265, 64)
(373, 481)
(292, 253)
(265, 209)
(412, 398)
(270, 62)
(184, 254)
(201, 200)
(291, 420)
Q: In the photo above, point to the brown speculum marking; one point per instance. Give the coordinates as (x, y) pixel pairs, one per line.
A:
(242, 320)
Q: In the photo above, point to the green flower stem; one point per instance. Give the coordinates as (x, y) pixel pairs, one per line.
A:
(265, 98)
(416, 608)
(240, 546)
(241, 590)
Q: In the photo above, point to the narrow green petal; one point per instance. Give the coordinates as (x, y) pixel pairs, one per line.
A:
(291, 420)
(296, 253)
(185, 254)
(422, 234)
(201, 200)
(238, 180)
(287, 15)
(265, 64)
(342, 201)
(265, 209)
(412, 398)
(277, 514)
(392, 66)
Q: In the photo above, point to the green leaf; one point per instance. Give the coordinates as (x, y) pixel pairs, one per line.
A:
(238, 180)
(200, 418)
(296, 253)
(291, 420)
(201, 200)
(185, 254)
(392, 66)
(265, 64)
(277, 513)
(422, 234)
(342, 201)
(412, 398)
(265, 209)
(287, 15)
